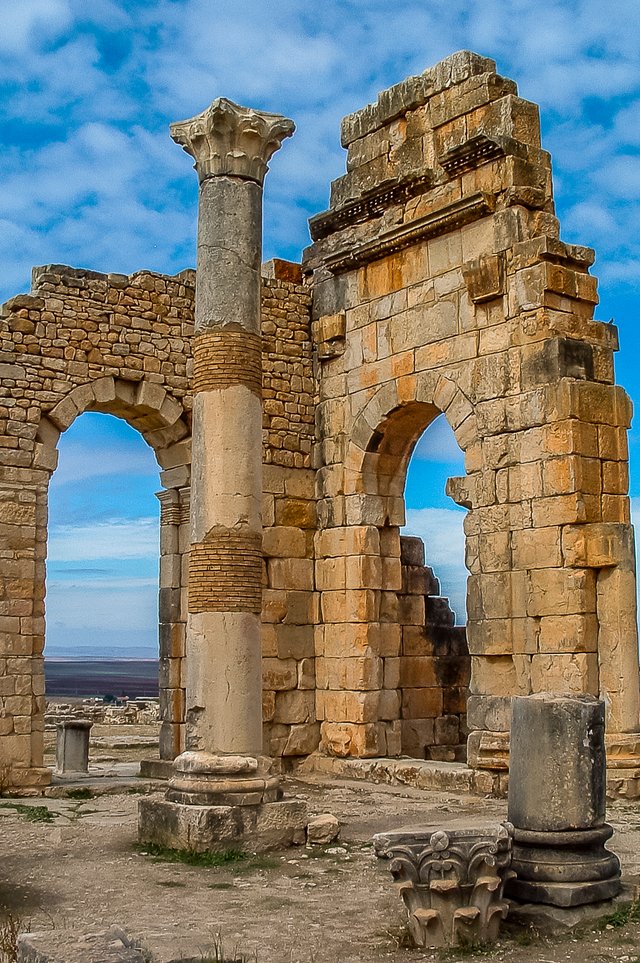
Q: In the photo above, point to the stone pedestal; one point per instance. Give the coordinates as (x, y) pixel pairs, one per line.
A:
(72, 745)
(557, 802)
(221, 790)
(451, 881)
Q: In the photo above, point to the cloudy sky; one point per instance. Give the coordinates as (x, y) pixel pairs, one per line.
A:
(91, 178)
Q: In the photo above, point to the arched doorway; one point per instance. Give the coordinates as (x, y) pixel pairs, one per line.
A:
(434, 672)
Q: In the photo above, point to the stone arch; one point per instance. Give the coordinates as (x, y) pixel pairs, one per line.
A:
(390, 629)
(385, 433)
(164, 423)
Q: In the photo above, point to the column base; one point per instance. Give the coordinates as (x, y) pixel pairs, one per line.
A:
(564, 868)
(211, 829)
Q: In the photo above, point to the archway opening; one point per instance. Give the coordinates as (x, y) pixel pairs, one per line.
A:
(434, 660)
(102, 569)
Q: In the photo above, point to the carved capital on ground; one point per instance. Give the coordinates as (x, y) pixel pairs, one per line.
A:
(451, 881)
(226, 139)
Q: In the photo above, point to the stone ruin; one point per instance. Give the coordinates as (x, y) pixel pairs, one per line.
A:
(436, 283)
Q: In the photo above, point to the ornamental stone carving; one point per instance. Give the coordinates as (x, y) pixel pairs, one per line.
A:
(451, 881)
(229, 139)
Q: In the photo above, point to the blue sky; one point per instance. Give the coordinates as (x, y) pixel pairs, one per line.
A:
(91, 178)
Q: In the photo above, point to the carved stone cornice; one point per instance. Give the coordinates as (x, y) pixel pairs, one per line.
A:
(478, 150)
(441, 221)
(226, 139)
(372, 204)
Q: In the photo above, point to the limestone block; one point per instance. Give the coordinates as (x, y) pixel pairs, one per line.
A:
(571, 473)
(389, 704)
(484, 277)
(268, 705)
(561, 592)
(488, 750)
(494, 675)
(254, 828)
(574, 673)
(307, 674)
(295, 512)
(292, 573)
(537, 548)
(294, 707)
(489, 712)
(358, 674)
(284, 542)
(302, 608)
(345, 739)
(568, 633)
(490, 637)
(392, 673)
(279, 674)
(422, 703)
(350, 606)
(302, 739)
(418, 671)
(390, 639)
(359, 707)
(294, 641)
(344, 640)
(322, 829)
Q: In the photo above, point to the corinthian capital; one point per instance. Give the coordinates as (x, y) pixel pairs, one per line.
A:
(232, 140)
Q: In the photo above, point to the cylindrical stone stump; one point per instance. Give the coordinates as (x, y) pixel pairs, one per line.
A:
(72, 745)
(557, 784)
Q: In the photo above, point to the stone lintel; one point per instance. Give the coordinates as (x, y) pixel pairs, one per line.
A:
(442, 221)
(226, 139)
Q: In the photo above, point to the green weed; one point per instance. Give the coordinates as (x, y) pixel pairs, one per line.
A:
(164, 854)
(82, 792)
(33, 814)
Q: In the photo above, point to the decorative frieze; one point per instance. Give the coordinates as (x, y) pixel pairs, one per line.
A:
(438, 222)
(372, 204)
(473, 152)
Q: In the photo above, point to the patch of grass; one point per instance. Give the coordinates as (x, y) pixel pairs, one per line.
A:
(622, 916)
(164, 854)
(216, 953)
(221, 885)
(10, 926)
(171, 883)
(82, 792)
(33, 814)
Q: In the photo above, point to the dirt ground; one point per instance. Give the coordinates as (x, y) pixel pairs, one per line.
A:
(80, 870)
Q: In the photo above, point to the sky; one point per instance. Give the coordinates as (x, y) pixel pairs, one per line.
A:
(91, 178)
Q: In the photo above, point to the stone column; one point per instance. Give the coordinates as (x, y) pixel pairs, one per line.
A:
(231, 146)
(557, 802)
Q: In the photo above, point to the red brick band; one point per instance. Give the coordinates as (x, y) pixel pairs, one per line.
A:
(225, 573)
(223, 358)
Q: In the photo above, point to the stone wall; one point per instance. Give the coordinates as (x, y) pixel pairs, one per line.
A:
(83, 341)
(440, 284)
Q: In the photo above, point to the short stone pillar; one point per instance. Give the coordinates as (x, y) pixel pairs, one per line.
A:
(557, 785)
(72, 745)
(451, 881)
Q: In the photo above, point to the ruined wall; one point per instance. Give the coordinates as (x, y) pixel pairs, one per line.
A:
(440, 285)
(83, 341)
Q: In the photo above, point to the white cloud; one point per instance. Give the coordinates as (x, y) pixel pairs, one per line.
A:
(116, 539)
(441, 531)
